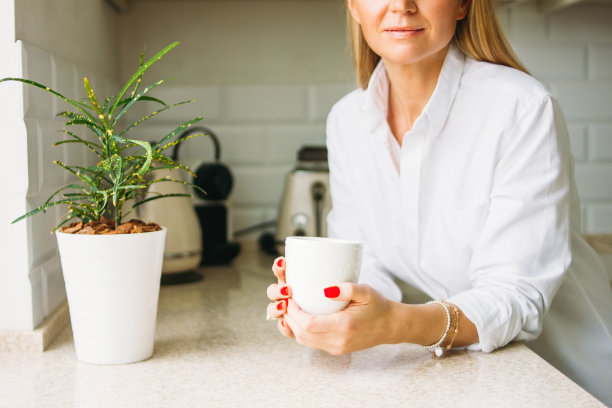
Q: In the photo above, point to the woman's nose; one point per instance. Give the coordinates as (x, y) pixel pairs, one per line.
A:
(403, 6)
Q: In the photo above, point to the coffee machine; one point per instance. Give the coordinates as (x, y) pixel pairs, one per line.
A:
(212, 208)
(306, 200)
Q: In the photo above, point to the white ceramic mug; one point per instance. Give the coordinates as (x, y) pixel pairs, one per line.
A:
(315, 263)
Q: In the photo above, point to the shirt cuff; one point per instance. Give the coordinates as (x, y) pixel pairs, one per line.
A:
(491, 315)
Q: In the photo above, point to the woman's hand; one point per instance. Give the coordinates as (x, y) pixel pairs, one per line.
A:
(366, 322)
(279, 293)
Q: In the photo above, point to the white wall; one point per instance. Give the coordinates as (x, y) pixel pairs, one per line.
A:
(266, 73)
(58, 44)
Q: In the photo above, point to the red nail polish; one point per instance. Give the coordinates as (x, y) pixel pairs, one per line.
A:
(279, 263)
(332, 292)
(279, 306)
(284, 291)
(283, 323)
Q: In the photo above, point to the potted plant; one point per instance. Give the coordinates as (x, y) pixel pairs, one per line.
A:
(112, 268)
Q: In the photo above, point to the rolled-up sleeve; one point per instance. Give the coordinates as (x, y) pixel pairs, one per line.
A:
(342, 221)
(523, 251)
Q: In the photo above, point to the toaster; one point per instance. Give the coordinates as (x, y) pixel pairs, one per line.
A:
(306, 200)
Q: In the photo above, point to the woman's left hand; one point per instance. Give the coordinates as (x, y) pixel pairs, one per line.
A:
(367, 321)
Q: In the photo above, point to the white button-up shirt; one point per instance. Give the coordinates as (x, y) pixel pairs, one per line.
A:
(482, 210)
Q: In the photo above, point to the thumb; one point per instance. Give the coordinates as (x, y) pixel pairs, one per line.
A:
(347, 291)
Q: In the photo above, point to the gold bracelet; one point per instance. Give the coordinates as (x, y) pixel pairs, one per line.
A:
(455, 313)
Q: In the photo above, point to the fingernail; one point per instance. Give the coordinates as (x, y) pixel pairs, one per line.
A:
(279, 306)
(332, 292)
(279, 263)
(283, 323)
(286, 303)
(284, 291)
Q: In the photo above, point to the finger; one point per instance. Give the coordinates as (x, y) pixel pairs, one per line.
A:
(278, 291)
(284, 328)
(278, 267)
(348, 291)
(276, 309)
(301, 321)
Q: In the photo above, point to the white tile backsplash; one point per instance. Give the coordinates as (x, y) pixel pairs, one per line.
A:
(322, 98)
(284, 141)
(261, 103)
(526, 25)
(600, 142)
(555, 61)
(241, 145)
(207, 103)
(38, 104)
(587, 23)
(600, 62)
(258, 186)
(578, 140)
(585, 101)
(53, 284)
(599, 218)
(63, 82)
(593, 181)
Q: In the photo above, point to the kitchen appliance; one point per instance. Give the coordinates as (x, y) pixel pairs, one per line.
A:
(306, 200)
(183, 249)
(212, 208)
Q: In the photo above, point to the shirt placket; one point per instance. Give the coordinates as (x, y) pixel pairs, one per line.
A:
(410, 176)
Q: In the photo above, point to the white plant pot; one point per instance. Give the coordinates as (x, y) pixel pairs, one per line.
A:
(112, 284)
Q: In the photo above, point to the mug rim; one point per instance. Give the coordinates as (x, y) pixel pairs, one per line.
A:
(322, 240)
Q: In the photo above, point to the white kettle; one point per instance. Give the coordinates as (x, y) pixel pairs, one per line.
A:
(183, 250)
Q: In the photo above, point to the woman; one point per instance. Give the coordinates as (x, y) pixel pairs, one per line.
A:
(452, 165)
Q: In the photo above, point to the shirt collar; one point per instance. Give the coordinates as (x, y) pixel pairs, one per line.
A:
(437, 109)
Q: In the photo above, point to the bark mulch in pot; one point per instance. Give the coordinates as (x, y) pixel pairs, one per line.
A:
(107, 227)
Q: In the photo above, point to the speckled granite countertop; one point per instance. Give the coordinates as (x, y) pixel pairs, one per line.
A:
(213, 347)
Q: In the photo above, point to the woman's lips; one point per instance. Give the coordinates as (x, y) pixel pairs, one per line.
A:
(402, 32)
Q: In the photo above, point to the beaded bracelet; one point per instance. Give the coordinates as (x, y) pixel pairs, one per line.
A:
(435, 348)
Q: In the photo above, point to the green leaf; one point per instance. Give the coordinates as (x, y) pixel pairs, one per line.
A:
(80, 175)
(106, 103)
(43, 208)
(133, 125)
(75, 186)
(158, 197)
(139, 73)
(175, 142)
(133, 187)
(143, 98)
(139, 80)
(134, 99)
(82, 107)
(178, 181)
(67, 220)
(117, 165)
(149, 155)
(91, 145)
(168, 163)
(175, 132)
(95, 104)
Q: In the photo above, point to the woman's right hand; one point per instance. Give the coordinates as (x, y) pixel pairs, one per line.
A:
(279, 293)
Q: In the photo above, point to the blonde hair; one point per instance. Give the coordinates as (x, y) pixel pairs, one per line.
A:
(478, 35)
